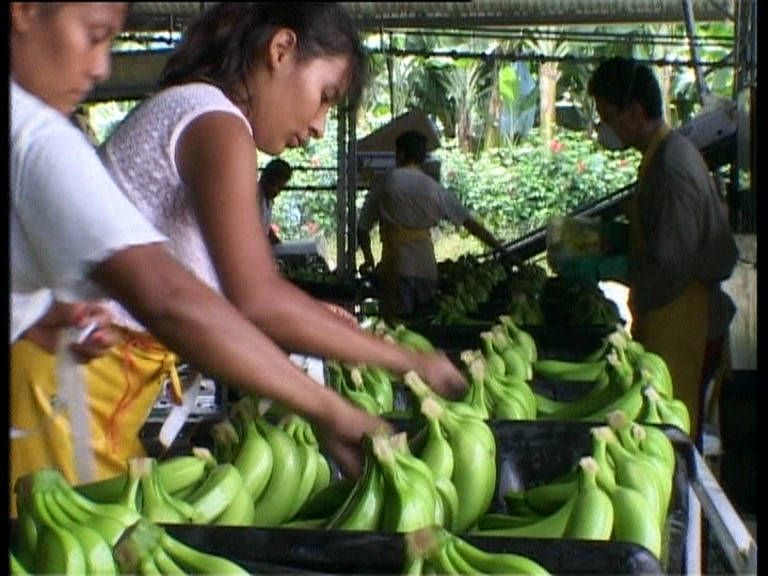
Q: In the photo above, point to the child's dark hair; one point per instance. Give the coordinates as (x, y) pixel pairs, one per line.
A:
(226, 41)
(411, 146)
(622, 81)
(277, 170)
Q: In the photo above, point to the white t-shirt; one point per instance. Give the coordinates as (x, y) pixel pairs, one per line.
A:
(66, 213)
(141, 155)
(409, 198)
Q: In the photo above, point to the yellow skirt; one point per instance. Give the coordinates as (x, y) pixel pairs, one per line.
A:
(122, 386)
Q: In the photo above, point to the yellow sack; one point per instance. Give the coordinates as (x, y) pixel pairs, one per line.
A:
(122, 386)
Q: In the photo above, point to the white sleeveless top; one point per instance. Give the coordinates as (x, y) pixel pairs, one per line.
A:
(141, 154)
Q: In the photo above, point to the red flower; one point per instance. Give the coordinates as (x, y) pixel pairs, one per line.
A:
(315, 161)
(623, 162)
(275, 228)
(555, 146)
(312, 227)
(580, 166)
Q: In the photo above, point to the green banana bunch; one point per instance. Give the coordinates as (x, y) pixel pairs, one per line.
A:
(622, 428)
(70, 534)
(146, 548)
(177, 473)
(411, 339)
(474, 451)
(495, 364)
(443, 552)
(657, 367)
(630, 402)
(522, 338)
(476, 395)
(654, 442)
(632, 472)
(277, 499)
(364, 394)
(349, 383)
(512, 398)
(363, 503)
(591, 517)
(674, 411)
(411, 500)
(378, 383)
(631, 520)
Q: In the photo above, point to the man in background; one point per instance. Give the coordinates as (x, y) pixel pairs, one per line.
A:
(273, 179)
(406, 203)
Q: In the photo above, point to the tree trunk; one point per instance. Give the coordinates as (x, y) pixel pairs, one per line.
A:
(549, 74)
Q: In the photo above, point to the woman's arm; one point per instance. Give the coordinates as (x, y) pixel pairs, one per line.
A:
(205, 329)
(216, 160)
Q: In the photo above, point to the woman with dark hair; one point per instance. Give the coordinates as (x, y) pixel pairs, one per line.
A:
(73, 238)
(249, 77)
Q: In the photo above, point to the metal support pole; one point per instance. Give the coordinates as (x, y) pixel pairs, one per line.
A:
(701, 83)
(341, 193)
(351, 195)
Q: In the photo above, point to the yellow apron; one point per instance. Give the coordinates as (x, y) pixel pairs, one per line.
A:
(678, 330)
(392, 239)
(122, 385)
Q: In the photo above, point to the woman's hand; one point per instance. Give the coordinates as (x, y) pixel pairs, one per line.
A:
(45, 332)
(437, 370)
(342, 438)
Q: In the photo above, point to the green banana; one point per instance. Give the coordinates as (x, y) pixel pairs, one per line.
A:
(494, 362)
(602, 393)
(476, 395)
(308, 456)
(482, 561)
(219, 487)
(449, 500)
(654, 442)
(361, 510)
(28, 529)
(58, 551)
(567, 370)
(513, 398)
(630, 402)
(181, 472)
(496, 520)
(239, 511)
(275, 502)
(411, 339)
(521, 337)
(550, 526)
(96, 551)
(548, 497)
(591, 517)
(254, 460)
(323, 476)
(106, 490)
(659, 371)
(157, 505)
(378, 385)
(436, 451)
(675, 412)
(326, 501)
(165, 564)
(17, 568)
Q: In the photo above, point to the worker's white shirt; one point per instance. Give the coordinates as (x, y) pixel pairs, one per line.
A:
(141, 156)
(66, 213)
(409, 198)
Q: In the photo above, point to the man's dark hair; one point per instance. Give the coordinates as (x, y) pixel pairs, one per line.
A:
(411, 146)
(278, 171)
(622, 81)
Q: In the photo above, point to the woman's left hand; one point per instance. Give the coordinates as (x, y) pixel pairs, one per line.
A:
(45, 332)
